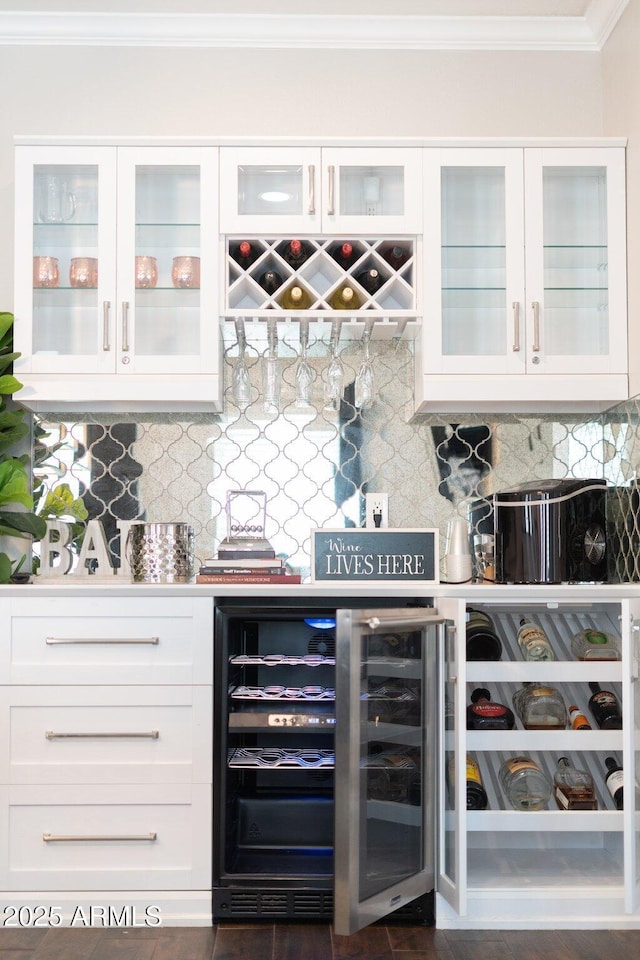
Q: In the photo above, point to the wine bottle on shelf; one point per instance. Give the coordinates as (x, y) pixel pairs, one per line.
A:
(295, 253)
(525, 785)
(533, 642)
(483, 713)
(396, 256)
(345, 299)
(614, 779)
(345, 255)
(605, 708)
(540, 707)
(577, 719)
(296, 298)
(573, 789)
(476, 794)
(270, 281)
(482, 641)
(370, 280)
(245, 254)
(595, 645)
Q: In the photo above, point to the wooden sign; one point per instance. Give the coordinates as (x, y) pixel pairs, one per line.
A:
(391, 554)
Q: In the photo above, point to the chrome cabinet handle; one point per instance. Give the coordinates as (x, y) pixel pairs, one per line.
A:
(312, 190)
(106, 343)
(151, 735)
(536, 326)
(125, 326)
(331, 200)
(516, 325)
(88, 640)
(72, 838)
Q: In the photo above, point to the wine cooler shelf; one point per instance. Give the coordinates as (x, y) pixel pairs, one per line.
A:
(319, 276)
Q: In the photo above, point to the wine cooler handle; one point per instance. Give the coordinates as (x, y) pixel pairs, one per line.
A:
(332, 183)
(53, 735)
(312, 190)
(94, 640)
(536, 326)
(125, 326)
(516, 326)
(106, 343)
(70, 838)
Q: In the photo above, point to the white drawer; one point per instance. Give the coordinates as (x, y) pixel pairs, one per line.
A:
(73, 640)
(105, 734)
(106, 838)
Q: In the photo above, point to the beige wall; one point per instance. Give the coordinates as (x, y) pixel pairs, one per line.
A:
(108, 90)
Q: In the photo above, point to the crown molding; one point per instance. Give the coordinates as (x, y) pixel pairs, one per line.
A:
(577, 34)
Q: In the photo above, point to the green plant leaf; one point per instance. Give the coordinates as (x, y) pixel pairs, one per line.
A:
(60, 502)
(21, 523)
(14, 484)
(5, 568)
(9, 385)
(6, 322)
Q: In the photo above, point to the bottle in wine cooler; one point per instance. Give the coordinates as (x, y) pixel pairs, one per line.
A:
(540, 707)
(245, 254)
(482, 641)
(345, 299)
(605, 708)
(485, 714)
(614, 779)
(577, 719)
(370, 280)
(595, 645)
(476, 794)
(295, 253)
(270, 281)
(345, 255)
(397, 256)
(296, 298)
(525, 785)
(533, 642)
(573, 789)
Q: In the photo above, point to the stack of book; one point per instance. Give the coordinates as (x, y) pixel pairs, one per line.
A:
(245, 566)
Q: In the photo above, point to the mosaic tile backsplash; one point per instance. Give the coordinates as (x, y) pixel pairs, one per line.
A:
(316, 461)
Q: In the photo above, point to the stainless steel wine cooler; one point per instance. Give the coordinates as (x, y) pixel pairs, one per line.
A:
(325, 768)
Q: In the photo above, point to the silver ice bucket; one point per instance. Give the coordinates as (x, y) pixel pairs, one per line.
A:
(161, 552)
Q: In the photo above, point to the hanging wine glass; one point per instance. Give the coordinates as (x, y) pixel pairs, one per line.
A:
(334, 384)
(271, 379)
(364, 385)
(240, 382)
(304, 370)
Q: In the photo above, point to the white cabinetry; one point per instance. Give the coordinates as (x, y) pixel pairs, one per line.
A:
(505, 868)
(106, 760)
(525, 279)
(115, 277)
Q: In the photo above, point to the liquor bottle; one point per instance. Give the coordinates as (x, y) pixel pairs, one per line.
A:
(483, 643)
(614, 780)
(245, 254)
(577, 719)
(476, 794)
(524, 783)
(345, 299)
(605, 708)
(533, 642)
(270, 281)
(296, 298)
(345, 255)
(295, 253)
(595, 645)
(485, 714)
(396, 256)
(573, 789)
(370, 280)
(540, 707)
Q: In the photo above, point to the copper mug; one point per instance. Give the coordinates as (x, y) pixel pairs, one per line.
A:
(45, 272)
(83, 272)
(146, 272)
(186, 272)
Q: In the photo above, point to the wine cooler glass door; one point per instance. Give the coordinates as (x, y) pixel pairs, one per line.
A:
(385, 762)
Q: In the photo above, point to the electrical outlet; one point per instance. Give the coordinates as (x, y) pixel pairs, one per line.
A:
(377, 510)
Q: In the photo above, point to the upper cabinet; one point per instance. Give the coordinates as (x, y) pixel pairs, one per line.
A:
(524, 279)
(115, 277)
(361, 190)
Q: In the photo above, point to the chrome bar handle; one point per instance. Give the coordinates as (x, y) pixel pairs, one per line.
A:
(125, 326)
(331, 207)
(312, 190)
(83, 640)
(72, 838)
(536, 326)
(516, 325)
(151, 735)
(106, 308)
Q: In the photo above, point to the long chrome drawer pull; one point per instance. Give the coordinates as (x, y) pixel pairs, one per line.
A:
(106, 344)
(101, 640)
(516, 326)
(61, 838)
(536, 326)
(151, 735)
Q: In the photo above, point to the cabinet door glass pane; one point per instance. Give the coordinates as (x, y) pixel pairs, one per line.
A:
(576, 319)
(65, 259)
(371, 191)
(167, 264)
(473, 261)
(270, 189)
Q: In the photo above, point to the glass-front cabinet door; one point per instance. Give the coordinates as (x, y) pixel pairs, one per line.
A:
(386, 771)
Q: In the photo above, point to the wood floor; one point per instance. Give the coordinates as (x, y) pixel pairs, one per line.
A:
(314, 942)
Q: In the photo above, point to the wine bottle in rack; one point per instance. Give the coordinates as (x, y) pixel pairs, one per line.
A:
(525, 784)
(605, 708)
(397, 256)
(345, 255)
(270, 281)
(573, 789)
(245, 254)
(476, 794)
(614, 779)
(370, 280)
(296, 298)
(482, 641)
(533, 642)
(485, 714)
(577, 719)
(295, 253)
(345, 299)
